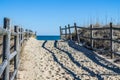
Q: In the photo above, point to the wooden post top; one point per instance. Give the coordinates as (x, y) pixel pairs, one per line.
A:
(110, 24)
(6, 23)
(16, 28)
(75, 24)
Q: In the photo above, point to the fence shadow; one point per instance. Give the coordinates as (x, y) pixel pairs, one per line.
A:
(95, 58)
(57, 61)
(77, 63)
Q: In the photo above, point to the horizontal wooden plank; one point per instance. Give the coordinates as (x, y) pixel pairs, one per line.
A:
(101, 28)
(95, 38)
(14, 74)
(100, 38)
(84, 28)
(12, 55)
(3, 66)
(115, 28)
(62, 28)
(116, 41)
(72, 26)
(98, 28)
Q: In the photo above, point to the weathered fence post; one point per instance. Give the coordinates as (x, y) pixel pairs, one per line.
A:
(26, 33)
(111, 42)
(6, 47)
(60, 33)
(70, 35)
(66, 32)
(18, 44)
(91, 35)
(76, 32)
(21, 36)
(16, 48)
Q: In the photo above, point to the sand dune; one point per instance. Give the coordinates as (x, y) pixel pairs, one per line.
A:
(52, 60)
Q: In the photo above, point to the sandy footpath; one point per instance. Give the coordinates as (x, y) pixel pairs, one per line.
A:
(51, 60)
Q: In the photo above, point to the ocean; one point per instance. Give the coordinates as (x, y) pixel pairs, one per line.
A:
(48, 37)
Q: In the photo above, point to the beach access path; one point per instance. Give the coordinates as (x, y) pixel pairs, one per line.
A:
(60, 60)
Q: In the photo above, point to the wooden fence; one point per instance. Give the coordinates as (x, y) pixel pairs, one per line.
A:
(20, 35)
(91, 37)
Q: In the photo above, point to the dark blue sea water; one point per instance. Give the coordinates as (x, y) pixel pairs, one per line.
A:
(48, 37)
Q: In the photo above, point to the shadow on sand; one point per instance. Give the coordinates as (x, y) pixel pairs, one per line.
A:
(57, 61)
(88, 53)
(95, 58)
(77, 63)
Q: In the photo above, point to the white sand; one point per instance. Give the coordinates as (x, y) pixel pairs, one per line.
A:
(50, 63)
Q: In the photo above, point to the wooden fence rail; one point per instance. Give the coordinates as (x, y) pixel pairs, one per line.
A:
(19, 37)
(91, 37)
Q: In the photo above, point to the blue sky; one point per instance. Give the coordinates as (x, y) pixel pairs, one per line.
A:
(45, 16)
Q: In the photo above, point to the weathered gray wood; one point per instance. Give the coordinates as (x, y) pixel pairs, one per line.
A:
(18, 45)
(76, 33)
(27, 34)
(111, 42)
(12, 55)
(17, 52)
(86, 28)
(65, 32)
(22, 36)
(6, 47)
(3, 66)
(96, 38)
(115, 28)
(19, 35)
(100, 38)
(116, 41)
(60, 33)
(111, 39)
(70, 35)
(18, 38)
(91, 35)
(101, 28)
